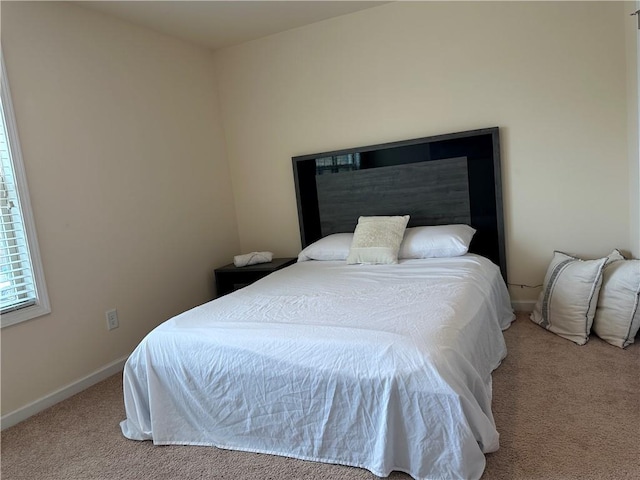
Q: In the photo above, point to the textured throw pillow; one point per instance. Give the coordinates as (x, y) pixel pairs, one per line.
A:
(377, 239)
(331, 247)
(436, 241)
(617, 318)
(567, 304)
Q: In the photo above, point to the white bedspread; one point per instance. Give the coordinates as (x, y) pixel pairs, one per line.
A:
(385, 367)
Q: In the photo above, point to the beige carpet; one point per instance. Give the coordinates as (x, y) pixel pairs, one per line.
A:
(563, 411)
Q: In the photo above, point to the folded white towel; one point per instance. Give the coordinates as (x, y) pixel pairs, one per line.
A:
(252, 258)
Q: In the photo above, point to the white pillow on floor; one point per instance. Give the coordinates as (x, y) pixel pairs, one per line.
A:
(617, 318)
(567, 304)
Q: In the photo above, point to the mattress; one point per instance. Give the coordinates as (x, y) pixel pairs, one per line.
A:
(384, 367)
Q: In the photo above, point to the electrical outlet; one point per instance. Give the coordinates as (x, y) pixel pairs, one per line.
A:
(112, 319)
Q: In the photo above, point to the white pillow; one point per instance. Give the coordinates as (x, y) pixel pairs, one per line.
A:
(617, 318)
(377, 240)
(332, 247)
(436, 241)
(567, 304)
(614, 256)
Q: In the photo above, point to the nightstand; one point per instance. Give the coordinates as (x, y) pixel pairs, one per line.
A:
(230, 277)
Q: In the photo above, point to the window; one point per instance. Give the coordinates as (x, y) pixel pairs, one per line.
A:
(338, 163)
(22, 291)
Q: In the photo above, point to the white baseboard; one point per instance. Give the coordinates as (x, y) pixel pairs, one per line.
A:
(17, 416)
(523, 305)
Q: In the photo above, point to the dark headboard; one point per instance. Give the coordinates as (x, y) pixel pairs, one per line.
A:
(445, 179)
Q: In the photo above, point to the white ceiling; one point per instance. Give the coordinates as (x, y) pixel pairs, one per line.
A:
(217, 24)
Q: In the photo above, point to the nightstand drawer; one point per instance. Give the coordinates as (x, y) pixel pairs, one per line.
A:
(230, 277)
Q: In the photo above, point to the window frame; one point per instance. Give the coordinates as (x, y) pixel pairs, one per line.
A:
(41, 306)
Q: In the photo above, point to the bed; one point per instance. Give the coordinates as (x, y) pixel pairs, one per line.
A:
(383, 367)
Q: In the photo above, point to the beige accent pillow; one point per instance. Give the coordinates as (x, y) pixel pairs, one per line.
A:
(617, 319)
(567, 304)
(377, 240)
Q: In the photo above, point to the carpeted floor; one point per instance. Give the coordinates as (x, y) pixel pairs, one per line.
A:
(563, 412)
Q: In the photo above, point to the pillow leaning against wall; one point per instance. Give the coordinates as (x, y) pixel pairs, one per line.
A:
(617, 318)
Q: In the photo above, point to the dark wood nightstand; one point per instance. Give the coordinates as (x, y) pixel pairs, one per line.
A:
(230, 277)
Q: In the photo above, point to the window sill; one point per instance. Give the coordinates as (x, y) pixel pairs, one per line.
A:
(24, 314)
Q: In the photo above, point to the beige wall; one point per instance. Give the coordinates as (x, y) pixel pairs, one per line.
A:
(125, 158)
(551, 75)
(123, 143)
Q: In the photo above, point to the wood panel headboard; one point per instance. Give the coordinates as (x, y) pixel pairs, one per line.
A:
(444, 179)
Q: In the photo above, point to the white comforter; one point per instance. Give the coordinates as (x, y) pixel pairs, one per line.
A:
(385, 367)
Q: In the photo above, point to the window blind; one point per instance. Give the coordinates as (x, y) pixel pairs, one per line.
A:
(17, 285)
